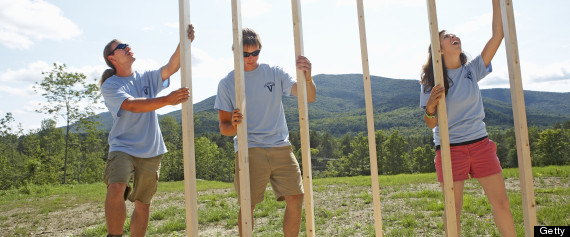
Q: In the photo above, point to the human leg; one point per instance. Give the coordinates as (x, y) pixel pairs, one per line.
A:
(487, 170)
(494, 186)
(287, 185)
(115, 208)
(259, 173)
(292, 218)
(118, 170)
(139, 219)
(145, 184)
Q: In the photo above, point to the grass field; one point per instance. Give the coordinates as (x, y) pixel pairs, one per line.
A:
(412, 205)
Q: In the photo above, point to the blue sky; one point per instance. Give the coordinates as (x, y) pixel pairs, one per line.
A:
(36, 33)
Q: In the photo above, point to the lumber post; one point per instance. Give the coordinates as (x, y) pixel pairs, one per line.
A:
(190, 192)
(370, 121)
(303, 121)
(243, 156)
(448, 192)
(519, 115)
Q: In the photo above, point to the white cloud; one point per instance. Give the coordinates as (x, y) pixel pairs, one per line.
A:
(33, 73)
(23, 21)
(254, 8)
(553, 77)
(474, 24)
(13, 91)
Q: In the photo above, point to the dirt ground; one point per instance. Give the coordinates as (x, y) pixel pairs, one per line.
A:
(337, 205)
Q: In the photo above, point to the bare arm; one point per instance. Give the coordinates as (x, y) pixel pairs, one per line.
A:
(143, 105)
(431, 105)
(174, 63)
(304, 64)
(229, 122)
(493, 44)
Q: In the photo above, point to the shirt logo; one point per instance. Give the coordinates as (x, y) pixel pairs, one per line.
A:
(469, 74)
(270, 86)
(145, 90)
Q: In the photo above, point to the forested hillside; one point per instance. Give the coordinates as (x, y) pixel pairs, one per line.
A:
(339, 108)
(339, 145)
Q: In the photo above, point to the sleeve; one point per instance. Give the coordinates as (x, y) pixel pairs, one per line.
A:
(223, 98)
(423, 97)
(114, 96)
(285, 79)
(478, 68)
(156, 81)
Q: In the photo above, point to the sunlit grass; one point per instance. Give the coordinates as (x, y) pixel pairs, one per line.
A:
(342, 206)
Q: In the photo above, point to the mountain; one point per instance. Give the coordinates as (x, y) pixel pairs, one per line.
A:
(340, 107)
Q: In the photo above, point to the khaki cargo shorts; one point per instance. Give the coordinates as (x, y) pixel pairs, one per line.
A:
(275, 164)
(120, 167)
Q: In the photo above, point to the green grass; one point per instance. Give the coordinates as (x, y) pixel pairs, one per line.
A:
(412, 205)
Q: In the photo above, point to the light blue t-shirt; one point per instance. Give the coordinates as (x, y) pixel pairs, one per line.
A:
(264, 88)
(137, 134)
(464, 102)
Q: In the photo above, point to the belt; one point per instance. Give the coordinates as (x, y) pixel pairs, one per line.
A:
(437, 147)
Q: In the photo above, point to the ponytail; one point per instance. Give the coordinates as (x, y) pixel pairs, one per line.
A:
(110, 71)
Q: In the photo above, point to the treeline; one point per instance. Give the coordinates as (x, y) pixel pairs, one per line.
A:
(37, 157)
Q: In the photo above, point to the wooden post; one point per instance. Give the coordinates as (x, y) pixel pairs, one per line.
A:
(303, 121)
(243, 164)
(519, 115)
(370, 121)
(448, 192)
(190, 192)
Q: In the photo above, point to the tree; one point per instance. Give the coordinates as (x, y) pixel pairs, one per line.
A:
(70, 96)
(552, 147)
(380, 138)
(396, 158)
(8, 137)
(423, 159)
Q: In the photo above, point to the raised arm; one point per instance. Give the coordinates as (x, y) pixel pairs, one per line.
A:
(304, 64)
(493, 44)
(174, 63)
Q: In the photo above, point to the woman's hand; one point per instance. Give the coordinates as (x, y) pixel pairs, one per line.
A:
(434, 97)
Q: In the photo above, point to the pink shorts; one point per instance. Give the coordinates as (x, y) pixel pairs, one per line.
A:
(478, 159)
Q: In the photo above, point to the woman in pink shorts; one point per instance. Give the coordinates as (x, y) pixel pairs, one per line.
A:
(472, 153)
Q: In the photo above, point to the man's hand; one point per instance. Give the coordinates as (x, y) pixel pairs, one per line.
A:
(178, 96)
(304, 64)
(190, 32)
(237, 117)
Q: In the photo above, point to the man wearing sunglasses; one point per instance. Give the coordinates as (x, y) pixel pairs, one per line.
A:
(136, 146)
(270, 155)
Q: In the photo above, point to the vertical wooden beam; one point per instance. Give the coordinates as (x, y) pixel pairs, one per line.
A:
(519, 115)
(370, 121)
(190, 192)
(243, 156)
(448, 192)
(303, 121)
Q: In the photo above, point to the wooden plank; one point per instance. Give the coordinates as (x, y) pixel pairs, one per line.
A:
(303, 121)
(243, 157)
(370, 121)
(519, 115)
(448, 192)
(190, 192)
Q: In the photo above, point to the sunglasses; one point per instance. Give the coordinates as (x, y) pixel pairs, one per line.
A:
(254, 53)
(120, 46)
